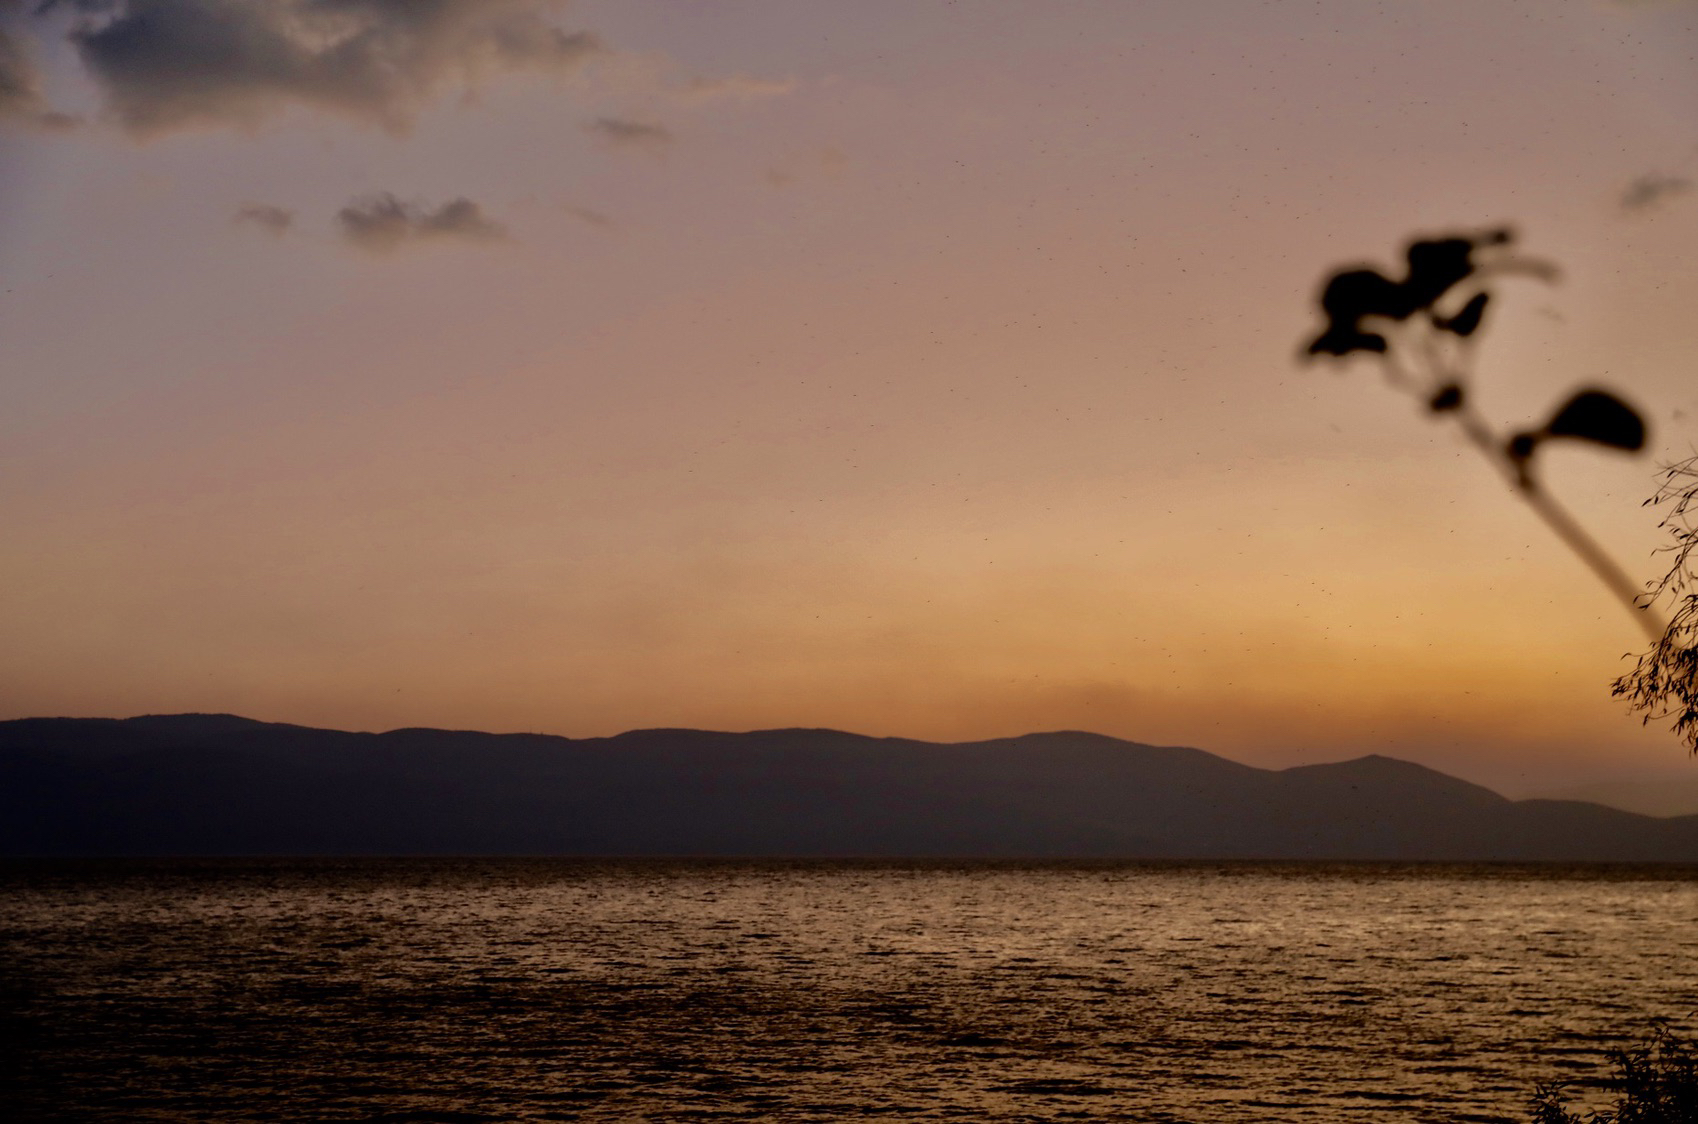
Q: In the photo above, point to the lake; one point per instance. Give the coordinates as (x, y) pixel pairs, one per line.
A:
(473, 990)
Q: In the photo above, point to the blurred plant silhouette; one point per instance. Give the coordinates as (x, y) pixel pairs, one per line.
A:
(1422, 330)
(1655, 1082)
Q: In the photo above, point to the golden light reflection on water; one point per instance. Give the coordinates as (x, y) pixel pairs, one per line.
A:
(541, 989)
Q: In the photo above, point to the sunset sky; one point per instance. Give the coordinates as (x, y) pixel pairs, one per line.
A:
(924, 369)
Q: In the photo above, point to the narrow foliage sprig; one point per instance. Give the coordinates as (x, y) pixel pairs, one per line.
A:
(1664, 681)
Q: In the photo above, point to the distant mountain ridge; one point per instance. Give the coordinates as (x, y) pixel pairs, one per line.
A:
(196, 784)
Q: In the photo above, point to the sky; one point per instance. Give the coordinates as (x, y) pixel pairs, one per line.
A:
(918, 369)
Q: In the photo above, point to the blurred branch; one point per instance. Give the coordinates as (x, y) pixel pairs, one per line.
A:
(1422, 330)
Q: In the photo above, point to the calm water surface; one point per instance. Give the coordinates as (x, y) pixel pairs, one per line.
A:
(552, 990)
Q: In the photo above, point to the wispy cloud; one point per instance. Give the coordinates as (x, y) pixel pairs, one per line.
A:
(21, 101)
(737, 87)
(274, 220)
(623, 132)
(165, 65)
(382, 224)
(20, 84)
(586, 215)
(1653, 189)
(827, 162)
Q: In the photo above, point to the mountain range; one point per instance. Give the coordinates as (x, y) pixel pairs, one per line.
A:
(195, 784)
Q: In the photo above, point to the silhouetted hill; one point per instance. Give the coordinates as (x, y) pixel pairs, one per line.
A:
(217, 784)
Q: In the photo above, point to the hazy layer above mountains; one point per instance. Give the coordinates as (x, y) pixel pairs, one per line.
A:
(217, 784)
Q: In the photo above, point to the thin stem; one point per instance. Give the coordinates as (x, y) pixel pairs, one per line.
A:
(1558, 519)
(1594, 556)
(1486, 441)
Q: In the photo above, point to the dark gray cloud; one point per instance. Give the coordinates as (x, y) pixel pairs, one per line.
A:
(621, 131)
(269, 217)
(171, 64)
(1653, 188)
(382, 223)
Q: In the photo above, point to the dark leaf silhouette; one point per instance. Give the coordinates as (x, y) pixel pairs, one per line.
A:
(1436, 265)
(1449, 397)
(1343, 341)
(1598, 415)
(1348, 297)
(1466, 322)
